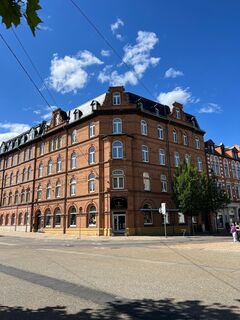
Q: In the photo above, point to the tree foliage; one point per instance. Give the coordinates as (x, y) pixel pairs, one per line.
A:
(189, 187)
(12, 12)
(216, 197)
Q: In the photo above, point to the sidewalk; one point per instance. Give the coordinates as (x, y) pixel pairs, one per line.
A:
(173, 239)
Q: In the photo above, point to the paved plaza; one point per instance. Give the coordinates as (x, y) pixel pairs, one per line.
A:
(59, 277)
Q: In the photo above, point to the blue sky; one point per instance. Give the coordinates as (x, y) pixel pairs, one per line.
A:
(186, 51)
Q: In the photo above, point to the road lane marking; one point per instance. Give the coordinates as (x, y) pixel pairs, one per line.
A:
(8, 244)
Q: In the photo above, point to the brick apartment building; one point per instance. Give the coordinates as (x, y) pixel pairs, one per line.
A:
(225, 163)
(100, 168)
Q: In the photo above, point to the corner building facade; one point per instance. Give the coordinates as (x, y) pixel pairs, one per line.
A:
(102, 168)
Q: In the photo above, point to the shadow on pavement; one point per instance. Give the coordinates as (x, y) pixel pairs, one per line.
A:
(132, 309)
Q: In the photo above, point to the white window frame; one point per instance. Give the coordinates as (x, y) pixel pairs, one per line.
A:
(91, 182)
(197, 142)
(92, 155)
(175, 139)
(144, 128)
(73, 187)
(160, 133)
(118, 179)
(176, 159)
(145, 153)
(74, 136)
(146, 181)
(73, 160)
(117, 149)
(116, 98)
(117, 126)
(163, 183)
(199, 164)
(91, 129)
(162, 159)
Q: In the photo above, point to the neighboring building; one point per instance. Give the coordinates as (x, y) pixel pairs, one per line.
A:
(100, 168)
(225, 163)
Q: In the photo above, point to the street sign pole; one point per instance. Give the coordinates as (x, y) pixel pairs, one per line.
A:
(164, 213)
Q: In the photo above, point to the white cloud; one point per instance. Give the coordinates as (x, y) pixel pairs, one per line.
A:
(211, 108)
(48, 114)
(172, 73)
(10, 130)
(37, 111)
(137, 57)
(44, 28)
(68, 74)
(116, 25)
(105, 53)
(176, 95)
(119, 37)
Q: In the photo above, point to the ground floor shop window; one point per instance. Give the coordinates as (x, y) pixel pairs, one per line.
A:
(92, 216)
(148, 217)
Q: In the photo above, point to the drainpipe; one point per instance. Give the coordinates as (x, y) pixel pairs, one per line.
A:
(66, 184)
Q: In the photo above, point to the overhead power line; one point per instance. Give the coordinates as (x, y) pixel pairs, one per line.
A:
(34, 66)
(108, 43)
(24, 69)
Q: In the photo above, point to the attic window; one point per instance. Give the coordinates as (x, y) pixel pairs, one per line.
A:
(178, 114)
(56, 120)
(116, 98)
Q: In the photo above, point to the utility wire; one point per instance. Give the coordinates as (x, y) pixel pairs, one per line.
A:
(34, 66)
(108, 43)
(24, 69)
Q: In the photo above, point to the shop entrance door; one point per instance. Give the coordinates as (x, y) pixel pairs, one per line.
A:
(119, 222)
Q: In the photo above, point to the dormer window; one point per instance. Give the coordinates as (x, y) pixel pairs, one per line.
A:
(56, 119)
(116, 98)
(178, 114)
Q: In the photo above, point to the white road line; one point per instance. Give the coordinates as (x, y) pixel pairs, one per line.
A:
(8, 244)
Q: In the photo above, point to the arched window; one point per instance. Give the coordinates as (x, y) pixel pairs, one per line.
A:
(22, 195)
(7, 219)
(174, 136)
(116, 98)
(4, 199)
(144, 127)
(187, 158)
(234, 171)
(50, 167)
(197, 143)
(6, 180)
(238, 171)
(26, 218)
(92, 216)
(72, 216)
(160, 132)
(58, 189)
(24, 175)
(73, 187)
(91, 129)
(59, 164)
(91, 182)
(39, 192)
(185, 139)
(199, 164)
(40, 170)
(147, 214)
(117, 150)
(118, 179)
(29, 176)
(20, 218)
(91, 155)
(16, 197)
(73, 160)
(164, 183)
(10, 198)
(30, 153)
(41, 149)
(226, 168)
(48, 218)
(145, 154)
(162, 157)
(217, 166)
(74, 136)
(57, 216)
(11, 179)
(176, 159)
(146, 181)
(48, 191)
(117, 126)
(18, 177)
(13, 219)
(28, 195)
(51, 145)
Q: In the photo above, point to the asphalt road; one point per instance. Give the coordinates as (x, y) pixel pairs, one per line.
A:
(137, 278)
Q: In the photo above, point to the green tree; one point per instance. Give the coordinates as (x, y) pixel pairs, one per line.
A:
(189, 190)
(216, 197)
(12, 12)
